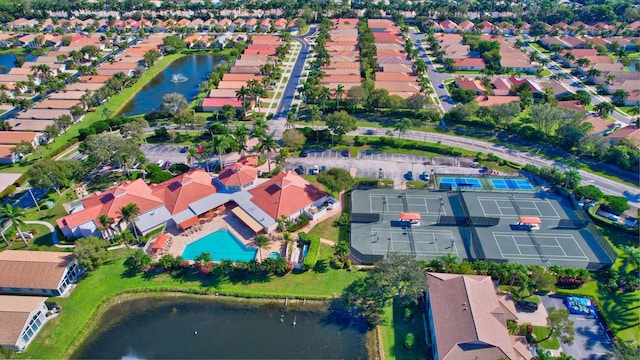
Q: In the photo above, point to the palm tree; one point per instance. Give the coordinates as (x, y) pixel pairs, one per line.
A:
(221, 143)
(619, 96)
(291, 121)
(282, 156)
(323, 95)
(260, 128)
(604, 108)
(339, 93)
(631, 256)
(192, 154)
(106, 222)
(402, 126)
(241, 94)
(593, 73)
(267, 145)
(129, 215)
(449, 262)
(572, 178)
(240, 135)
(15, 215)
(262, 241)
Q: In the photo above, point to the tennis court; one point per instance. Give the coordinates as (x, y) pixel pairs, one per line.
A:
(421, 242)
(467, 183)
(514, 207)
(544, 246)
(423, 204)
(511, 184)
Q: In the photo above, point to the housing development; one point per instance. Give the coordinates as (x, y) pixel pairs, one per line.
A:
(430, 180)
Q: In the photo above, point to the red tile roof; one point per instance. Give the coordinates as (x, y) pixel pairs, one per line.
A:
(285, 194)
(237, 175)
(220, 102)
(185, 189)
(110, 201)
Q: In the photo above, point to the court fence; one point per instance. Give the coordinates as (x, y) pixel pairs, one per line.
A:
(591, 226)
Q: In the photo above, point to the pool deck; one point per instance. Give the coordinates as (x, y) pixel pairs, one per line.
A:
(181, 240)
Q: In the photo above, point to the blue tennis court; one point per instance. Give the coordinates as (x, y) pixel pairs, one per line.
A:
(511, 184)
(467, 183)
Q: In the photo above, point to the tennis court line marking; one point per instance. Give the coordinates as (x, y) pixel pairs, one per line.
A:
(555, 237)
(396, 205)
(495, 201)
(386, 234)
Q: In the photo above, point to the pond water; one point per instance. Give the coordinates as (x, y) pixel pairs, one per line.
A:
(8, 59)
(183, 76)
(189, 328)
(633, 64)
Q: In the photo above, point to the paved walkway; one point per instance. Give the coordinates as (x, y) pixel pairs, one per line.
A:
(54, 233)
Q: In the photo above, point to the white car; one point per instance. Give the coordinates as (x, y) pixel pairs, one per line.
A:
(315, 170)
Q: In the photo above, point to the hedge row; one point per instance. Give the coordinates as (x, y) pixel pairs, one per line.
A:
(314, 249)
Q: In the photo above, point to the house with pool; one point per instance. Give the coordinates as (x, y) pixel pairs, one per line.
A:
(184, 200)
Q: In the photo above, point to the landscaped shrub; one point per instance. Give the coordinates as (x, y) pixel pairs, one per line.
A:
(8, 191)
(410, 341)
(301, 222)
(314, 249)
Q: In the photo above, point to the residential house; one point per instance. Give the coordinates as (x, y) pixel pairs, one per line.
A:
(16, 137)
(280, 24)
(7, 156)
(630, 133)
(468, 320)
(470, 84)
(448, 26)
(43, 273)
(475, 64)
(210, 104)
(21, 317)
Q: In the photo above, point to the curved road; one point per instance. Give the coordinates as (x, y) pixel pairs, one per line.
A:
(606, 185)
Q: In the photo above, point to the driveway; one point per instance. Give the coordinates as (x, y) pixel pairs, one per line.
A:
(590, 341)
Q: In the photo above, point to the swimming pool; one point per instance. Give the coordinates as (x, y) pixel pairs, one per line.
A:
(274, 255)
(468, 183)
(222, 245)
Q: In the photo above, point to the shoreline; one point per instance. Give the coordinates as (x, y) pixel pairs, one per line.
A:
(95, 319)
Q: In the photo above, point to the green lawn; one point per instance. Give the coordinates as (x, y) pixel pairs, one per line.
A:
(540, 332)
(325, 229)
(79, 309)
(539, 48)
(621, 311)
(394, 329)
(41, 240)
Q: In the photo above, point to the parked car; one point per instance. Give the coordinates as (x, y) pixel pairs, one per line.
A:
(184, 149)
(425, 176)
(441, 86)
(527, 305)
(409, 175)
(160, 163)
(323, 168)
(315, 170)
(304, 153)
(299, 170)
(166, 165)
(346, 153)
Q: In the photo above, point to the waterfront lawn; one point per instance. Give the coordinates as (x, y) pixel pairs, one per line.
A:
(63, 333)
(395, 328)
(114, 104)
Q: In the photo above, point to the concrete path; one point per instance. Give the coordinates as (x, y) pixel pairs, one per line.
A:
(54, 234)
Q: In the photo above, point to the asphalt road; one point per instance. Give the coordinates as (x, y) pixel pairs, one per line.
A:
(292, 85)
(607, 186)
(590, 339)
(436, 77)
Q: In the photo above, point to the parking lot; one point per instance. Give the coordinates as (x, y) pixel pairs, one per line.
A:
(171, 153)
(374, 164)
(590, 341)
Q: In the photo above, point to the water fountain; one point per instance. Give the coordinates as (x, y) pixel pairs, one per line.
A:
(178, 78)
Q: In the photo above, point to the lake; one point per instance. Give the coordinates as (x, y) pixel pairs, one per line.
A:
(8, 59)
(186, 327)
(183, 76)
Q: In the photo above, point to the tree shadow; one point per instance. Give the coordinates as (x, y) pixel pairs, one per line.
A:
(341, 313)
(321, 266)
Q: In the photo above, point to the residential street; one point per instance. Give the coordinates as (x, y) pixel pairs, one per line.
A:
(607, 186)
